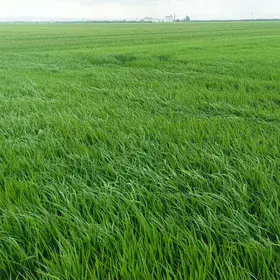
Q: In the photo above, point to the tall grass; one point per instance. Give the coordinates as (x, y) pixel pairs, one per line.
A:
(140, 151)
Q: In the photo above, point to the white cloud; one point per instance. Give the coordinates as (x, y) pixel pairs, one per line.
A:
(110, 9)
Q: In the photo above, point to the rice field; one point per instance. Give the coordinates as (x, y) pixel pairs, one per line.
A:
(140, 151)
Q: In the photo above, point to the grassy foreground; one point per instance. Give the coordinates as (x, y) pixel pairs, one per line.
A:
(140, 151)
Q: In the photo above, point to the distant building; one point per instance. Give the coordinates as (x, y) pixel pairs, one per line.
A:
(169, 18)
(147, 19)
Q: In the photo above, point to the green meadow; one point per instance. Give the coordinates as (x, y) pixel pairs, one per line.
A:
(140, 151)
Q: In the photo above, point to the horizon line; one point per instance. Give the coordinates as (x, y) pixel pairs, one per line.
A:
(131, 21)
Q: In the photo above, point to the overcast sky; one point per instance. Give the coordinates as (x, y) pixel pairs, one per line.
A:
(132, 9)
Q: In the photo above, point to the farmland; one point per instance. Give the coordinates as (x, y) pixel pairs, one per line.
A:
(140, 151)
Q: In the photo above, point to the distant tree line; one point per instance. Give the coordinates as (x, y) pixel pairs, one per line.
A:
(186, 19)
(236, 20)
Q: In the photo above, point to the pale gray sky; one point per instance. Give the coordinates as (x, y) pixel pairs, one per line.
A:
(132, 9)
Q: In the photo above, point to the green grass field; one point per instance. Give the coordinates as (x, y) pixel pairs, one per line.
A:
(140, 151)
